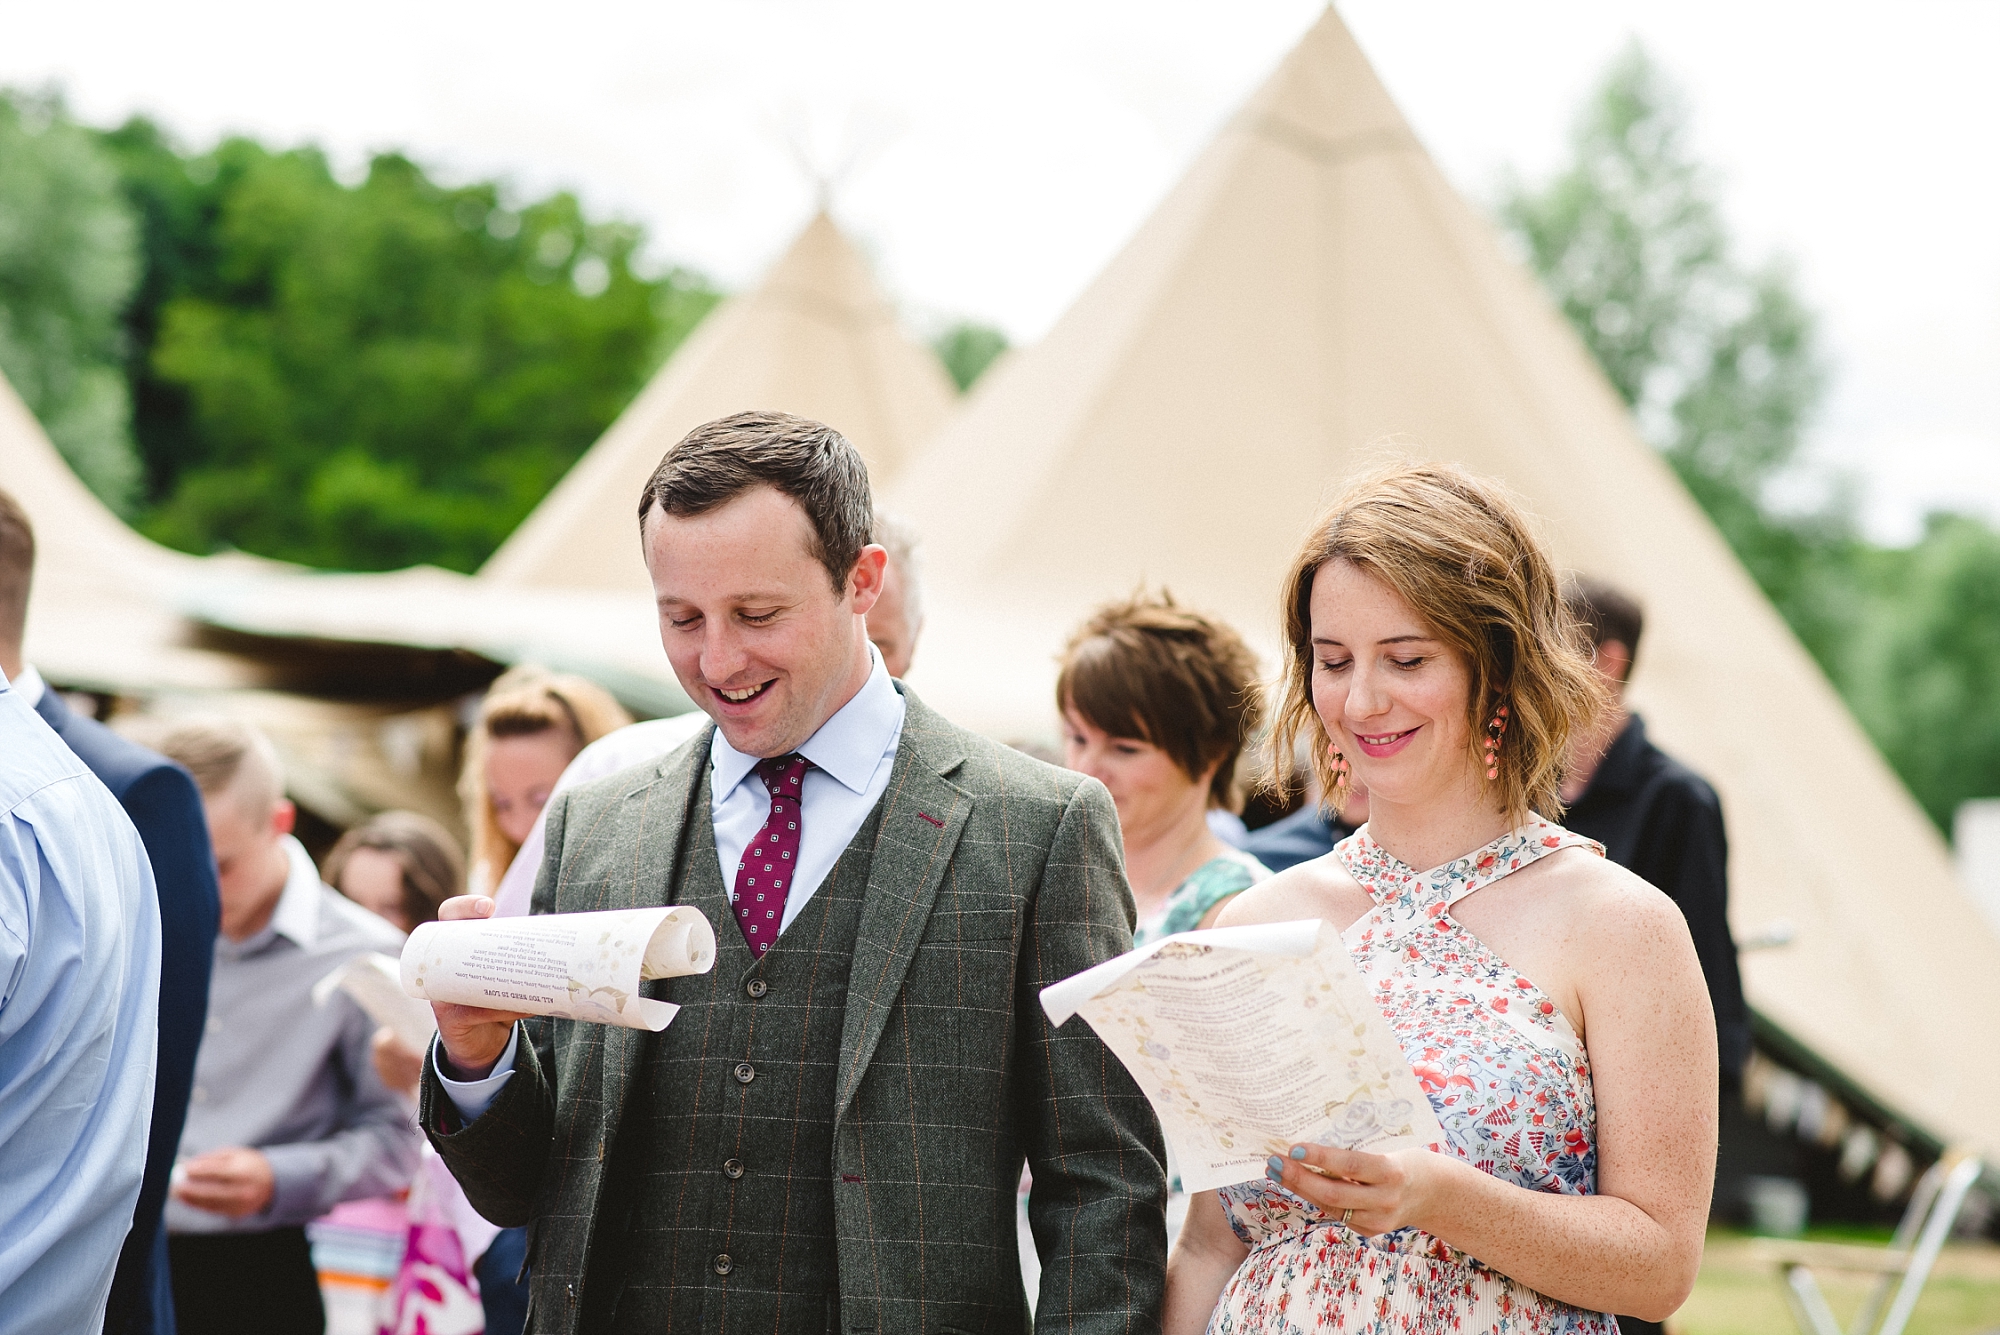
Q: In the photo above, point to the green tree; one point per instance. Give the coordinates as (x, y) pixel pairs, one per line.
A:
(1719, 363)
(68, 262)
(1930, 663)
(1719, 366)
(967, 349)
(374, 375)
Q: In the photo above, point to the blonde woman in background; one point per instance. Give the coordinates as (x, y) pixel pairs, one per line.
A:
(530, 726)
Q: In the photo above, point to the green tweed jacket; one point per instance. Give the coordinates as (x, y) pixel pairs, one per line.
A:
(993, 875)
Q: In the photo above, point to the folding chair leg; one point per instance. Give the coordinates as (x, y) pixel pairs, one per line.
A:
(1930, 1242)
(1808, 1304)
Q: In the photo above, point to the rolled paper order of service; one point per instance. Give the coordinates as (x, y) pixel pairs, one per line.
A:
(576, 966)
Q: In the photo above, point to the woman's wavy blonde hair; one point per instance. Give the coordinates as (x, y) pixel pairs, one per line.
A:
(523, 701)
(1461, 553)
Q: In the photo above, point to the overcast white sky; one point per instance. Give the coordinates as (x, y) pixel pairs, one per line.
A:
(994, 157)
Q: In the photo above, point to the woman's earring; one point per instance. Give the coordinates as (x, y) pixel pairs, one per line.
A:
(1495, 730)
(1341, 769)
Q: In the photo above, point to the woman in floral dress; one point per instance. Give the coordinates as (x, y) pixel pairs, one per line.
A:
(1550, 1002)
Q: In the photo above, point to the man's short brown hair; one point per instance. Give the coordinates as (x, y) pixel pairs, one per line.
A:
(800, 458)
(1149, 669)
(1606, 613)
(17, 568)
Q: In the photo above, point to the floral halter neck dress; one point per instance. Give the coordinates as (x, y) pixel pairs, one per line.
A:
(1510, 1083)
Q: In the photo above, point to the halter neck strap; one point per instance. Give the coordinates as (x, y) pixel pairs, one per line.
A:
(1386, 877)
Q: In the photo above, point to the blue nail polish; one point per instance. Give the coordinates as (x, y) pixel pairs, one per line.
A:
(1298, 1151)
(1274, 1168)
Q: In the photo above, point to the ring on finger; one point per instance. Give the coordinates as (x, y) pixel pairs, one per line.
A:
(1345, 1216)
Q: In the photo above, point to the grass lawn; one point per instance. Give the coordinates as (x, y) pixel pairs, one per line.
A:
(1740, 1293)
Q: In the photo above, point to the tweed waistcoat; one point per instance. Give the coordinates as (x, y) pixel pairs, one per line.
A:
(724, 1205)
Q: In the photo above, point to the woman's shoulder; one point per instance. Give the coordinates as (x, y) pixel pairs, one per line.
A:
(1580, 884)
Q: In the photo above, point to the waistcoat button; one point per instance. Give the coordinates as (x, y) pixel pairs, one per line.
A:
(723, 1265)
(745, 1073)
(756, 987)
(732, 1169)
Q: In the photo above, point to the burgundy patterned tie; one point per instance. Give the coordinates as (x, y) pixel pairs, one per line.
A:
(764, 876)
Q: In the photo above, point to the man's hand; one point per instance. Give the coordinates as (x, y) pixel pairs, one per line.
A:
(473, 1037)
(233, 1182)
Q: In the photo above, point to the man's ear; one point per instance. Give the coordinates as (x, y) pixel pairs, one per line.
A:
(284, 816)
(1614, 660)
(864, 581)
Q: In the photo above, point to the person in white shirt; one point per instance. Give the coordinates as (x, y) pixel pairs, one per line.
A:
(288, 1117)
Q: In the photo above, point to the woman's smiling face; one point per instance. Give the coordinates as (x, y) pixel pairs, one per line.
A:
(1391, 694)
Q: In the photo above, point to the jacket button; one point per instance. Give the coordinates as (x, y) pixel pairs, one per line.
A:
(732, 1169)
(745, 1073)
(756, 987)
(723, 1265)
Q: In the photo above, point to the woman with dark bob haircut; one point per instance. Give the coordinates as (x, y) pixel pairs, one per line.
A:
(1549, 1001)
(1156, 703)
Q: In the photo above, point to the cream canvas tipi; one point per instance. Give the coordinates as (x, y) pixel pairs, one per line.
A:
(817, 338)
(1313, 288)
(104, 612)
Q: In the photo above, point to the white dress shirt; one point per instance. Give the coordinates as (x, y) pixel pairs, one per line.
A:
(852, 756)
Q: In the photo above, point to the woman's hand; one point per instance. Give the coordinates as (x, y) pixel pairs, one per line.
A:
(1385, 1192)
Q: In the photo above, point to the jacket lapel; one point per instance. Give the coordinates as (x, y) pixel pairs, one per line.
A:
(923, 815)
(658, 838)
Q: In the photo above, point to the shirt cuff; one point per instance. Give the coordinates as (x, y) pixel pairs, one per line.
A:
(473, 1097)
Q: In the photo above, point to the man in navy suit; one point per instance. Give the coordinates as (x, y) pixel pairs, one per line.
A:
(165, 805)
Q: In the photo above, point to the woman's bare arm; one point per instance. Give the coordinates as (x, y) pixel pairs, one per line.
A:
(1205, 1255)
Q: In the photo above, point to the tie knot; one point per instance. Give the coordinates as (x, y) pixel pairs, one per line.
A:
(784, 775)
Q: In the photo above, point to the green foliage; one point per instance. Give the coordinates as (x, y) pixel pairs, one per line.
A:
(68, 263)
(1929, 664)
(374, 375)
(1718, 363)
(967, 349)
(1720, 368)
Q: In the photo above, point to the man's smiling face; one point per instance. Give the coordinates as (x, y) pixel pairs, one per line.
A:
(757, 633)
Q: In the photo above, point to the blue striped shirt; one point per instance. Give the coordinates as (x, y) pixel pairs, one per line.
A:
(79, 995)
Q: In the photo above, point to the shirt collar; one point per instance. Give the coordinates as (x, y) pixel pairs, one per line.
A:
(849, 746)
(297, 914)
(29, 686)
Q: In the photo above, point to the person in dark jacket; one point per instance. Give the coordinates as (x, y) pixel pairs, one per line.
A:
(164, 804)
(1659, 819)
(1655, 816)
(1308, 833)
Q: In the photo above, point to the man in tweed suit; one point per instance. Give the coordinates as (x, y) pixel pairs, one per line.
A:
(830, 1134)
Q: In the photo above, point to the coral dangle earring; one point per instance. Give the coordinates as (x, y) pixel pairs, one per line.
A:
(1495, 730)
(1341, 769)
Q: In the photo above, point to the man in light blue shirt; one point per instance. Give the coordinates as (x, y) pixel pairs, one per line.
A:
(79, 1026)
